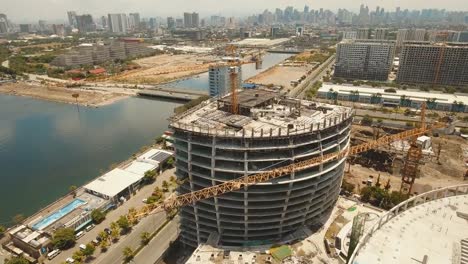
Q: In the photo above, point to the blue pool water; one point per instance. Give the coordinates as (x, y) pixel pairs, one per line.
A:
(46, 221)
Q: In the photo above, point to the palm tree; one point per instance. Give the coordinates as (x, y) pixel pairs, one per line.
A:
(104, 245)
(128, 254)
(145, 238)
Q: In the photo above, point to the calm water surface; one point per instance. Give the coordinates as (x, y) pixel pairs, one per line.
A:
(200, 82)
(46, 147)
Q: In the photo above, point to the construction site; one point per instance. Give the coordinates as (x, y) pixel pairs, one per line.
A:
(261, 173)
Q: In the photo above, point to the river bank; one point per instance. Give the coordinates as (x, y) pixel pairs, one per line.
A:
(63, 95)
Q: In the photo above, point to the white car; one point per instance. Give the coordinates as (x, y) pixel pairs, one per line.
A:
(70, 260)
(82, 247)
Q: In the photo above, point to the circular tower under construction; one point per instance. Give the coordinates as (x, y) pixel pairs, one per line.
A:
(213, 146)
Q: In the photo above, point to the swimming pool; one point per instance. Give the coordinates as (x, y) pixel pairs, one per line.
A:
(48, 220)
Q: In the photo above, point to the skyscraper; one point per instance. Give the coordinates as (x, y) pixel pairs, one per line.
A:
(85, 23)
(4, 27)
(381, 33)
(134, 21)
(188, 20)
(117, 23)
(72, 18)
(434, 64)
(195, 20)
(171, 23)
(363, 33)
(364, 59)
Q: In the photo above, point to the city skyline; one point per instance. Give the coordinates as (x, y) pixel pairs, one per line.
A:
(56, 10)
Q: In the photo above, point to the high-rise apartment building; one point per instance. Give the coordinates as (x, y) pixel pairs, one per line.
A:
(72, 18)
(118, 23)
(363, 33)
(364, 59)
(380, 33)
(191, 20)
(220, 79)
(134, 21)
(195, 20)
(187, 20)
(4, 26)
(404, 35)
(171, 23)
(438, 64)
(349, 35)
(85, 23)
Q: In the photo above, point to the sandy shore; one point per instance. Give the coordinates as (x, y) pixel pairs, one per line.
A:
(63, 95)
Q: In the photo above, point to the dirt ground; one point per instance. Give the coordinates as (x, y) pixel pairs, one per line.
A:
(433, 174)
(280, 76)
(164, 68)
(63, 95)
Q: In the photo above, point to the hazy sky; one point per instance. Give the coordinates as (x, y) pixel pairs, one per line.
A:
(53, 10)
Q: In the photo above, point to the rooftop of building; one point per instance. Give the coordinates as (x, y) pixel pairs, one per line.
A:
(260, 42)
(262, 113)
(367, 41)
(409, 94)
(429, 228)
(113, 182)
(207, 254)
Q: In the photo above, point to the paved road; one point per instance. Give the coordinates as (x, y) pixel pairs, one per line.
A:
(135, 201)
(159, 244)
(132, 240)
(316, 75)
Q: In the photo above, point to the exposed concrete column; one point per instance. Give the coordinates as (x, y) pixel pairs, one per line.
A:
(192, 186)
(246, 192)
(213, 182)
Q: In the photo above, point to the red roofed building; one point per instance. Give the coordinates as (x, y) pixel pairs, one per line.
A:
(97, 71)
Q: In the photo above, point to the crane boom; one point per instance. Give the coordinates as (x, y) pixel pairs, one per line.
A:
(175, 202)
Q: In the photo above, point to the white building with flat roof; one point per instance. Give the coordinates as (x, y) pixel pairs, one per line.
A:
(404, 98)
(114, 183)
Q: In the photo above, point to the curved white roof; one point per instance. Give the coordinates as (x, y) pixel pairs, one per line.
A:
(432, 231)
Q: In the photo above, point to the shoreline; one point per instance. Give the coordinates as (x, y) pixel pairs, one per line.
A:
(63, 95)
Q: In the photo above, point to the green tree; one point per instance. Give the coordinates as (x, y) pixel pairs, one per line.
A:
(170, 162)
(72, 190)
(104, 235)
(78, 256)
(89, 250)
(17, 260)
(165, 186)
(124, 224)
(98, 216)
(64, 238)
(2, 230)
(145, 238)
(128, 254)
(366, 194)
(104, 245)
(149, 176)
(115, 231)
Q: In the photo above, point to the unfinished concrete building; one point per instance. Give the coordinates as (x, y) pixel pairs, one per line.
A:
(213, 146)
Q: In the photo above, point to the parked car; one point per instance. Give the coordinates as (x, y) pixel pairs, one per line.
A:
(82, 247)
(79, 234)
(88, 228)
(95, 242)
(108, 231)
(70, 260)
(99, 239)
(53, 254)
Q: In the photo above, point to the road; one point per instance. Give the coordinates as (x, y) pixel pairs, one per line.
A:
(316, 75)
(114, 254)
(135, 202)
(159, 244)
